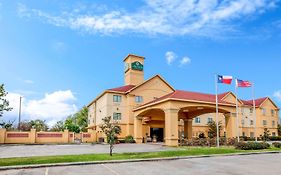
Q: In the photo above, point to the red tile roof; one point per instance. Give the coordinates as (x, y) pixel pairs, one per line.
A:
(258, 101)
(194, 96)
(123, 88)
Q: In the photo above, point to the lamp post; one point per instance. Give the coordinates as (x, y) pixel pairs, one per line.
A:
(19, 113)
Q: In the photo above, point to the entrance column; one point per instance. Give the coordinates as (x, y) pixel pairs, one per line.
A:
(138, 129)
(230, 125)
(171, 127)
(188, 128)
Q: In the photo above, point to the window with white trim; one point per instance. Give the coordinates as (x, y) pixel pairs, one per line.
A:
(272, 112)
(273, 123)
(263, 111)
(138, 99)
(210, 120)
(197, 120)
(116, 116)
(251, 122)
(117, 98)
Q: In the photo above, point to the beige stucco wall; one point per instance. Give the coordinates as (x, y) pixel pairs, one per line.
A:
(32, 137)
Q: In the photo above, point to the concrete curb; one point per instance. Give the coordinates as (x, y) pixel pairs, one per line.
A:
(131, 160)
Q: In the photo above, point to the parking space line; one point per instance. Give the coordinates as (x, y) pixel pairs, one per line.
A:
(47, 171)
(111, 170)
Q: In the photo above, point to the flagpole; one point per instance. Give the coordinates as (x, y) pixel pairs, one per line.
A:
(217, 110)
(254, 113)
(237, 112)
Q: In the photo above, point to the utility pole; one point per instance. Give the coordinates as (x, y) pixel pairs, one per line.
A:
(19, 113)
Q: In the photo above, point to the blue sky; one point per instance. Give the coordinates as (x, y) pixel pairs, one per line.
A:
(61, 54)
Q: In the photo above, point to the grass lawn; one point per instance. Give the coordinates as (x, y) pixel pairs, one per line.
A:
(182, 151)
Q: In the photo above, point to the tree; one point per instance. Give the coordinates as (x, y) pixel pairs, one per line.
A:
(4, 103)
(78, 121)
(25, 126)
(70, 124)
(81, 119)
(213, 129)
(39, 125)
(111, 130)
(266, 134)
(7, 125)
(59, 126)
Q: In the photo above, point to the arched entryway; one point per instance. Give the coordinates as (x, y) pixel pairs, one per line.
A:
(153, 125)
(167, 115)
(187, 114)
(157, 118)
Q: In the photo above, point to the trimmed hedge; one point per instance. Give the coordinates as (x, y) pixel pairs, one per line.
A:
(209, 142)
(252, 145)
(276, 144)
(129, 139)
(274, 138)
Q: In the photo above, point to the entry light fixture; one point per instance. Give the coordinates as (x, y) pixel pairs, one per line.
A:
(186, 110)
(200, 108)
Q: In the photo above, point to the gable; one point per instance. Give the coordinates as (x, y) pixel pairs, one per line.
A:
(153, 88)
(231, 98)
(268, 103)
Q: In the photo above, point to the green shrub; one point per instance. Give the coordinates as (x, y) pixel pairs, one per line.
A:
(129, 139)
(121, 141)
(276, 144)
(209, 142)
(252, 145)
(274, 138)
(202, 135)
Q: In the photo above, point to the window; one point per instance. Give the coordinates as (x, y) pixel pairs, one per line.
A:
(243, 134)
(89, 121)
(251, 122)
(210, 120)
(272, 112)
(197, 120)
(116, 98)
(252, 135)
(138, 99)
(243, 122)
(264, 122)
(116, 116)
(273, 123)
(251, 110)
(263, 111)
(273, 134)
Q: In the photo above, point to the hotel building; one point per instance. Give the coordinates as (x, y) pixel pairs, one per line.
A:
(153, 107)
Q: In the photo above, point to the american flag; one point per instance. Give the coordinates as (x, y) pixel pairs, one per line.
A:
(242, 83)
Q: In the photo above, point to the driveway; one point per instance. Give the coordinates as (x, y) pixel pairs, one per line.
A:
(233, 165)
(47, 150)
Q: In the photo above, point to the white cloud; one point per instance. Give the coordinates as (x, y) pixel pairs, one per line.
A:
(185, 60)
(170, 57)
(53, 107)
(168, 17)
(28, 81)
(277, 95)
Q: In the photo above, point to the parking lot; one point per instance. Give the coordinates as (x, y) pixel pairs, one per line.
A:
(234, 165)
(48, 150)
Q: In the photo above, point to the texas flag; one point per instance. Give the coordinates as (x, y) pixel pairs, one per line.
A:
(242, 83)
(224, 79)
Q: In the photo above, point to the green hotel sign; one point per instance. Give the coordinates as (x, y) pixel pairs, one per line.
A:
(137, 66)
